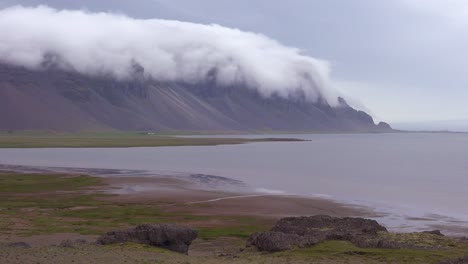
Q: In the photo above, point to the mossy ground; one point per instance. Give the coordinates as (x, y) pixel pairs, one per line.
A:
(41, 204)
(342, 251)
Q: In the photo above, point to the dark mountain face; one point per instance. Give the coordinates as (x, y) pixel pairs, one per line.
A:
(67, 101)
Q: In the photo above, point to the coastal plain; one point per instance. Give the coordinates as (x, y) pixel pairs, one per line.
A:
(40, 213)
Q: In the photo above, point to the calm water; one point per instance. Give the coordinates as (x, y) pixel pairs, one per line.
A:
(409, 175)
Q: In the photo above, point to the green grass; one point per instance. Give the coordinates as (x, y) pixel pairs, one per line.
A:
(344, 250)
(30, 183)
(13, 204)
(54, 203)
(421, 240)
(40, 140)
(131, 215)
(125, 215)
(240, 231)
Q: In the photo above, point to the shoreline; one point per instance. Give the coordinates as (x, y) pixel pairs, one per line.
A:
(170, 196)
(146, 186)
(179, 192)
(58, 217)
(122, 140)
(272, 206)
(220, 192)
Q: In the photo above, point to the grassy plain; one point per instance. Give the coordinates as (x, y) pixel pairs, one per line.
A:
(115, 140)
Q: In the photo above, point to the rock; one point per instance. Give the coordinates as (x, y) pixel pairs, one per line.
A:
(306, 231)
(327, 227)
(277, 241)
(172, 237)
(19, 245)
(376, 242)
(433, 232)
(463, 260)
(384, 126)
(70, 244)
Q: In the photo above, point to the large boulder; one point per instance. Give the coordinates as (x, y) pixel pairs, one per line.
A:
(327, 227)
(307, 231)
(172, 237)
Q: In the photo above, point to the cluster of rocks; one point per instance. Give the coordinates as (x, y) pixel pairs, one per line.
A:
(294, 232)
(288, 233)
(171, 237)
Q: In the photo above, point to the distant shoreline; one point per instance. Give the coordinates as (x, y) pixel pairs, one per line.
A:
(120, 140)
(133, 139)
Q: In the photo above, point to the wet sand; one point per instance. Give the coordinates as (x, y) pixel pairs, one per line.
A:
(223, 195)
(176, 193)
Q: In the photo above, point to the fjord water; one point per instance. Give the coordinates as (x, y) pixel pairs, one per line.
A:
(419, 178)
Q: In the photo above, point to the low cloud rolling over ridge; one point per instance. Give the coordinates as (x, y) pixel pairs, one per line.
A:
(111, 44)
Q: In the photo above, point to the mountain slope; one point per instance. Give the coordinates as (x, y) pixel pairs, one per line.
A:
(67, 101)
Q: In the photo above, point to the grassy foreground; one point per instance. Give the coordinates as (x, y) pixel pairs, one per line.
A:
(59, 203)
(50, 204)
(108, 140)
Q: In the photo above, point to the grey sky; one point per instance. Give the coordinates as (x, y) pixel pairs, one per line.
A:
(405, 60)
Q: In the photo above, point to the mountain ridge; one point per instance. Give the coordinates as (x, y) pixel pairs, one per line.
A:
(58, 100)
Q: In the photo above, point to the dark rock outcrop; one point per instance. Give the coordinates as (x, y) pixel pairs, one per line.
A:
(307, 231)
(331, 227)
(294, 232)
(463, 260)
(172, 237)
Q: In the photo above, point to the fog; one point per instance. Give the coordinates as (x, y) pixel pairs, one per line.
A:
(113, 44)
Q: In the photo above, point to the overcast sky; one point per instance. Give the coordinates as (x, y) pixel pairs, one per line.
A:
(405, 60)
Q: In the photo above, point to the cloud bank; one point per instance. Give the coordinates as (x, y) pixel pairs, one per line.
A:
(111, 44)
